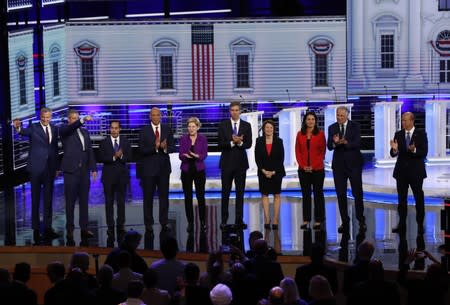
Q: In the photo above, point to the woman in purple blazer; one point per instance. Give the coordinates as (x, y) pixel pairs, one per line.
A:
(193, 152)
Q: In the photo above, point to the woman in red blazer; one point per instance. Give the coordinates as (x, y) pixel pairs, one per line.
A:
(310, 149)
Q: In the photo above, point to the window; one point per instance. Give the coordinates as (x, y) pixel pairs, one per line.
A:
(242, 54)
(166, 72)
(87, 54)
(387, 51)
(55, 79)
(166, 55)
(320, 48)
(444, 5)
(22, 88)
(242, 69)
(321, 71)
(444, 71)
(386, 31)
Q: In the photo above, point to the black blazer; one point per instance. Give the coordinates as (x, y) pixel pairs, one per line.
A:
(274, 162)
(114, 171)
(409, 163)
(234, 157)
(73, 148)
(155, 162)
(348, 155)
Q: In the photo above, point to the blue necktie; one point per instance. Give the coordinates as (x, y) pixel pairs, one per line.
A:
(407, 140)
(235, 131)
(116, 145)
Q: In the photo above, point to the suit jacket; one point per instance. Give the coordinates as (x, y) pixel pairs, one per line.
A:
(234, 157)
(316, 150)
(274, 162)
(348, 155)
(155, 162)
(41, 154)
(409, 162)
(114, 171)
(73, 149)
(200, 148)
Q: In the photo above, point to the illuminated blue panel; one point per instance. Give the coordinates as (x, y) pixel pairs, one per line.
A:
(379, 223)
(19, 4)
(331, 224)
(49, 2)
(286, 225)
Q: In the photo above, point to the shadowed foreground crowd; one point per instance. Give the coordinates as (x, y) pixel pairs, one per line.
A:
(254, 277)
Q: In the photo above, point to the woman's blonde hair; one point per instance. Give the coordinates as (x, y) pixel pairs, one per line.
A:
(194, 120)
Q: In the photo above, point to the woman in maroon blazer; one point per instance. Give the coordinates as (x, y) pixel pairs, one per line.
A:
(310, 149)
(269, 156)
(193, 152)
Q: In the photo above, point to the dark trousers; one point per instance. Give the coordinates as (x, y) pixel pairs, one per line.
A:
(42, 182)
(149, 185)
(238, 175)
(76, 187)
(402, 189)
(341, 174)
(314, 180)
(115, 190)
(199, 179)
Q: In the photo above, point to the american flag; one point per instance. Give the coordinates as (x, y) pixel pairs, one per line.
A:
(202, 61)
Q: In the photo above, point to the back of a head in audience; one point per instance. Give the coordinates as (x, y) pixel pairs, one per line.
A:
(150, 278)
(124, 259)
(135, 289)
(131, 240)
(4, 276)
(365, 250)
(238, 271)
(105, 276)
(80, 260)
(254, 235)
(56, 271)
(191, 273)
(276, 296)
(169, 247)
(260, 247)
(22, 272)
(376, 270)
(215, 263)
(290, 290)
(319, 288)
(221, 295)
(317, 253)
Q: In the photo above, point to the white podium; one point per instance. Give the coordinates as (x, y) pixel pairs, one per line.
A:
(255, 120)
(330, 118)
(436, 127)
(387, 121)
(289, 123)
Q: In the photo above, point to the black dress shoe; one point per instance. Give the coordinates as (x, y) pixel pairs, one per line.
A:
(420, 230)
(399, 229)
(362, 227)
(165, 228)
(36, 237)
(317, 226)
(223, 226)
(241, 225)
(85, 234)
(305, 225)
(275, 227)
(51, 234)
(343, 229)
(267, 226)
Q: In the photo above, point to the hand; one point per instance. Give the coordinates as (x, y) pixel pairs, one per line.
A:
(343, 141)
(411, 256)
(336, 139)
(194, 154)
(163, 144)
(87, 118)
(236, 139)
(308, 169)
(157, 143)
(412, 147)
(94, 176)
(16, 123)
(394, 145)
(187, 156)
(118, 154)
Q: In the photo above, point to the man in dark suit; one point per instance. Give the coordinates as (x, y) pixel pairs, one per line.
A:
(42, 164)
(77, 164)
(115, 151)
(156, 143)
(235, 136)
(410, 145)
(344, 138)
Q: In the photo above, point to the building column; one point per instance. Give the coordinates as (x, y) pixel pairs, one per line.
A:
(357, 78)
(414, 80)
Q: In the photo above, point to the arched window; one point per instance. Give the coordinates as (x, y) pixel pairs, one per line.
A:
(386, 31)
(55, 57)
(321, 48)
(166, 53)
(87, 52)
(242, 55)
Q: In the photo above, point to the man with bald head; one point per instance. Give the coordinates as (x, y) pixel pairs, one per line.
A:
(410, 146)
(155, 144)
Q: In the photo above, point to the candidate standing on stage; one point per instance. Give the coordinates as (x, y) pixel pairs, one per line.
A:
(235, 136)
(410, 146)
(344, 137)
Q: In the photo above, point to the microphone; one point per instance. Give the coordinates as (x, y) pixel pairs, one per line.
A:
(439, 89)
(289, 96)
(335, 95)
(385, 91)
(242, 98)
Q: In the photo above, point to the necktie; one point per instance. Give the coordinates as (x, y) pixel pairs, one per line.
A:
(157, 133)
(47, 135)
(407, 140)
(116, 145)
(235, 131)
(341, 132)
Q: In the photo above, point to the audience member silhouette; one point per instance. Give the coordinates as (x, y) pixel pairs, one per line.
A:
(55, 295)
(359, 272)
(125, 274)
(320, 291)
(151, 294)
(105, 294)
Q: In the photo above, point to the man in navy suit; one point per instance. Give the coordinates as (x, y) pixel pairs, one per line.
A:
(155, 144)
(77, 164)
(42, 164)
(410, 146)
(114, 152)
(344, 137)
(235, 136)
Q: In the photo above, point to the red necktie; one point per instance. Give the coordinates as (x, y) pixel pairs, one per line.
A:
(157, 133)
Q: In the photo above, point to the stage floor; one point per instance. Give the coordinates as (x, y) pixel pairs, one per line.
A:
(380, 211)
